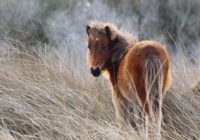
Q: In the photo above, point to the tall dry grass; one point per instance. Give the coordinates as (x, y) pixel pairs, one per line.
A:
(44, 96)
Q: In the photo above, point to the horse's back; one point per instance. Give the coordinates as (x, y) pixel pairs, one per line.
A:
(146, 49)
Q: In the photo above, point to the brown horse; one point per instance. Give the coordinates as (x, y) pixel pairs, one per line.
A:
(138, 70)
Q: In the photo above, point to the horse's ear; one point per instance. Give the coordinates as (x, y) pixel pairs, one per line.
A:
(88, 28)
(108, 33)
(111, 35)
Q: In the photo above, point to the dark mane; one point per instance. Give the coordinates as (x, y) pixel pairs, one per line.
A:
(119, 49)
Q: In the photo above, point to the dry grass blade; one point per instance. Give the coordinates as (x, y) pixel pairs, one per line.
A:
(40, 98)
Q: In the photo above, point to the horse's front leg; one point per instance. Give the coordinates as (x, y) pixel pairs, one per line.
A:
(124, 111)
(120, 105)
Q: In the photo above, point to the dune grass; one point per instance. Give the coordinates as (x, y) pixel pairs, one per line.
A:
(44, 95)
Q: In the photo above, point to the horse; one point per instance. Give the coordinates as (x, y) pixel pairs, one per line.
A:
(139, 73)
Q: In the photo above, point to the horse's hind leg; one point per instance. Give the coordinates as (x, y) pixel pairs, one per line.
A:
(137, 117)
(141, 120)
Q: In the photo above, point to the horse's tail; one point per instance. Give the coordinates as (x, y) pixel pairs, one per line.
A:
(154, 84)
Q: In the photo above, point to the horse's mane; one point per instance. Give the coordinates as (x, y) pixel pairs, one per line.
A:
(123, 40)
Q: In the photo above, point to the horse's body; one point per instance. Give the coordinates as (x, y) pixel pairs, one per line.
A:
(139, 71)
(133, 71)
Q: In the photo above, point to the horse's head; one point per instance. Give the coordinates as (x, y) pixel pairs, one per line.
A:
(99, 43)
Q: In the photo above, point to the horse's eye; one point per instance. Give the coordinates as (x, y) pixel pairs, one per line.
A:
(89, 47)
(103, 47)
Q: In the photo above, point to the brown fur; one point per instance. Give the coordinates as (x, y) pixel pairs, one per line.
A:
(139, 71)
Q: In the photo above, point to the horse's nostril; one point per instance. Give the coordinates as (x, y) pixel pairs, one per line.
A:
(97, 69)
(95, 72)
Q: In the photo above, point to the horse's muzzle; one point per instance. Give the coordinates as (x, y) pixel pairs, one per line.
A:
(95, 72)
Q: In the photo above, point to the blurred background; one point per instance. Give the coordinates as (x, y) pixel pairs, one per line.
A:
(62, 22)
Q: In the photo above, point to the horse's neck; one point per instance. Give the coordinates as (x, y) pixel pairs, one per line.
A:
(120, 48)
(113, 70)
